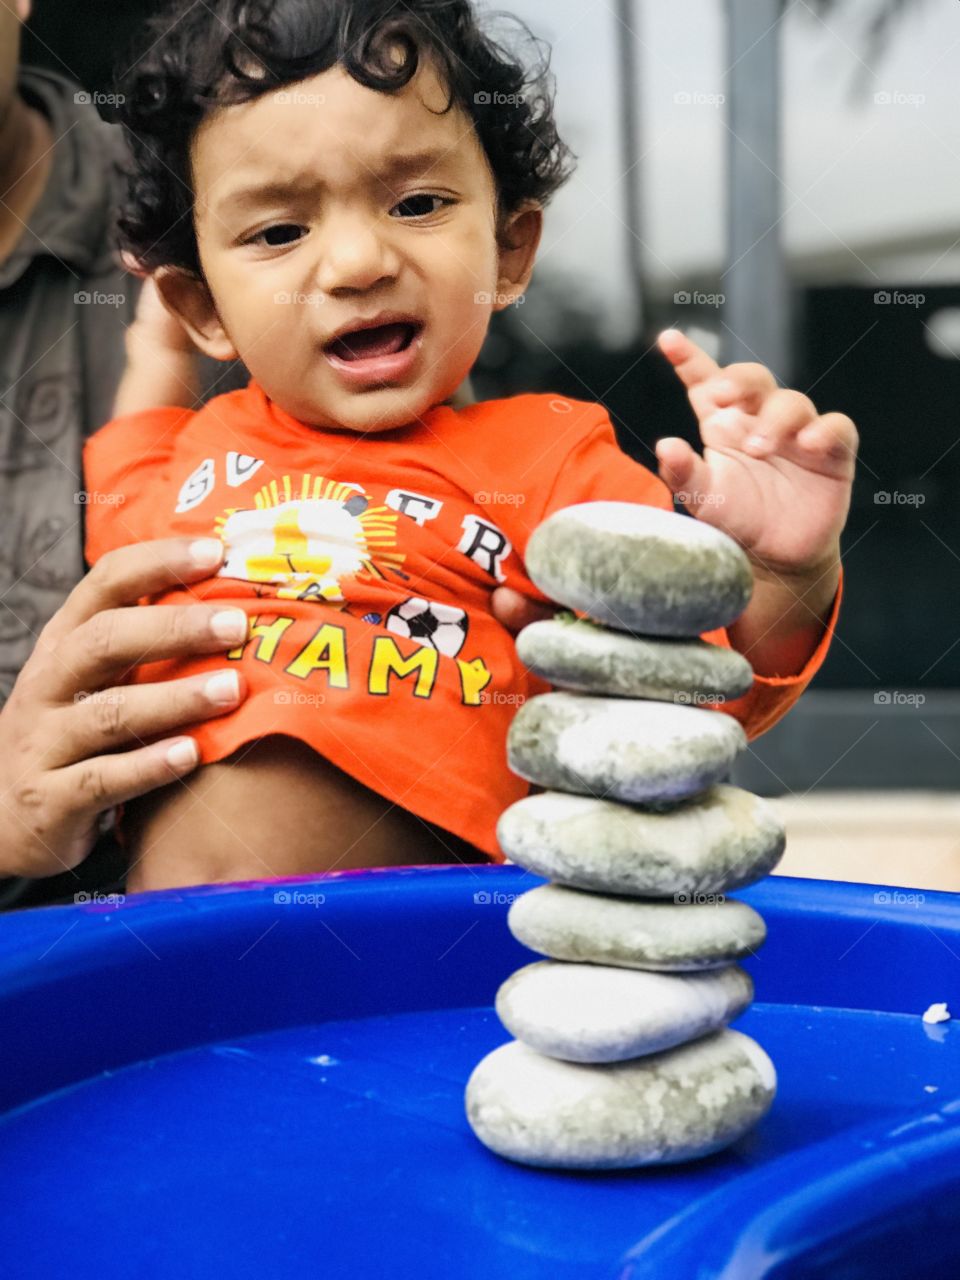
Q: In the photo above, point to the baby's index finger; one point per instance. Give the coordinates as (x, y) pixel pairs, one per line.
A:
(691, 363)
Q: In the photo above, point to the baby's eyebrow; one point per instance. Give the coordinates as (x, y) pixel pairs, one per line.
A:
(399, 165)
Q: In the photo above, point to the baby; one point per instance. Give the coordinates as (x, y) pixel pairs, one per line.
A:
(341, 193)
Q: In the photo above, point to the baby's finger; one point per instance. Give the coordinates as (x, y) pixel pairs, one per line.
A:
(781, 417)
(515, 611)
(833, 440)
(691, 363)
(746, 386)
(684, 472)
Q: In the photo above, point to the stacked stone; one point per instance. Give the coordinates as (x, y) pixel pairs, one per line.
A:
(622, 1055)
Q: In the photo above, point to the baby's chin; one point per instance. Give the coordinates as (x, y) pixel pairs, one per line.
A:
(373, 413)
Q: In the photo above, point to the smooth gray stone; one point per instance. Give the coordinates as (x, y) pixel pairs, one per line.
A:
(677, 1105)
(723, 839)
(629, 750)
(595, 1013)
(638, 568)
(577, 654)
(593, 928)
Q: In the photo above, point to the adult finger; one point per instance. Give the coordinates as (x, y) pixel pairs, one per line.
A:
(114, 640)
(99, 783)
(133, 714)
(124, 575)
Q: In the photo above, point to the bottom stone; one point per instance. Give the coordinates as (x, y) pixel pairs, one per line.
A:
(681, 1104)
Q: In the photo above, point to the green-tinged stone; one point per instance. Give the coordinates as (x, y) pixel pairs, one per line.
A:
(640, 569)
(630, 750)
(594, 928)
(580, 655)
(720, 840)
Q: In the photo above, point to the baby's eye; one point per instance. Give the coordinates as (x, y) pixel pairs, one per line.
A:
(283, 233)
(418, 199)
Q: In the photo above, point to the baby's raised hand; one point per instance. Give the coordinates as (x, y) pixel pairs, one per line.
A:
(775, 475)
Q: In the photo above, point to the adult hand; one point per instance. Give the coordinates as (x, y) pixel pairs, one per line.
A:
(71, 734)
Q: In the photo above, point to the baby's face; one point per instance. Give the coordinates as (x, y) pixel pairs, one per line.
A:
(320, 206)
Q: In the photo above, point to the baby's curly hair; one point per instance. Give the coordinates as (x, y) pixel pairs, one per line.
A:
(201, 57)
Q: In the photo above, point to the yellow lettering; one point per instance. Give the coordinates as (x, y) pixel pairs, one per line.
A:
(267, 636)
(326, 650)
(387, 658)
(474, 678)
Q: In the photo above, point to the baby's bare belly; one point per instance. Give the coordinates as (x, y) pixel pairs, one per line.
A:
(274, 808)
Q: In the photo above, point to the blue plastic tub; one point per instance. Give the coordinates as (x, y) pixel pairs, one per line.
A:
(268, 1081)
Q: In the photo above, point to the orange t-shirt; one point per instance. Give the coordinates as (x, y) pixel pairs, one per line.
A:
(365, 565)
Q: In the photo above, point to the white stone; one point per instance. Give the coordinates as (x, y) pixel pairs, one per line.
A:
(677, 1105)
(595, 1013)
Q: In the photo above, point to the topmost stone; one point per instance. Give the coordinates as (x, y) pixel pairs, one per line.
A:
(640, 569)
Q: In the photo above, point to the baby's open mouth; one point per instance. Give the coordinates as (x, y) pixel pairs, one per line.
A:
(364, 344)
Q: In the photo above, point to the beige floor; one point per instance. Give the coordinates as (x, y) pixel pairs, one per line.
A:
(909, 838)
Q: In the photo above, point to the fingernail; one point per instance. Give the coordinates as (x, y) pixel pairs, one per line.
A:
(206, 552)
(223, 688)
(756, 442)
(229, 624)
(183, 754)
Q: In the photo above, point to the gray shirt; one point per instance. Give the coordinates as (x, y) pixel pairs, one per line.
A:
(65, 301)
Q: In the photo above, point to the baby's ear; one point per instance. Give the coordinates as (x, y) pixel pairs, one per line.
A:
(518, 241)
(187, 297)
